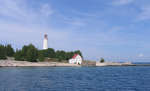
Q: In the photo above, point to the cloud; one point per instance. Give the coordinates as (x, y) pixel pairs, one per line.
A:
(122, 2)
(46, 10)
(75, 22)
(12, 8)
(95, 34)
(141, 55)
(19, 10)
(19, 35)
(144, 13)
(26, 26)
(23, 24)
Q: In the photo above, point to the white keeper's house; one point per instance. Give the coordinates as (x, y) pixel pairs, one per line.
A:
(76, 59)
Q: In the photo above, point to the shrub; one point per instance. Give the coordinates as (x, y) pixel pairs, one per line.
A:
(102, 60)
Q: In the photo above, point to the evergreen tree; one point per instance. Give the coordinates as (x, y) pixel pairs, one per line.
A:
(41, 55)
(2, 52)
(61, 55)
(24, 50)
(31, 54)
(18, 55)
(51, 52)
(9, 51)
(27, 53)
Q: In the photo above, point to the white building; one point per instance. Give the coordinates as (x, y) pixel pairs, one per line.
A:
(45, 42)
(76, 59)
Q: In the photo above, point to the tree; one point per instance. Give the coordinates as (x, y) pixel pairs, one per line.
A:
(61, 55)
(51, 52)
(69, 55)
(24, 50)
(2, 52)
(41, 55)
(78, 52)
(31, 54)
(9, 51)
(102, 60)
(18, 55)
(27, 53)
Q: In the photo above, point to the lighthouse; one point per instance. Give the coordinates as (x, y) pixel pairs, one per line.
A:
(45, 42)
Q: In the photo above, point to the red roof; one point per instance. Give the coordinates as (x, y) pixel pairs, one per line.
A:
(75, 55)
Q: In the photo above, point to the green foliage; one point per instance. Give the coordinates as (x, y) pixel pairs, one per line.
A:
(50, 52)
(28, 53)
(24, 51)
(18, 55)
(78, 52)
(2, 52)
(69, 55)
(102, 60)
(32, 54)
(59, 54)
(41, 56)
(6, 51)
(9, 51)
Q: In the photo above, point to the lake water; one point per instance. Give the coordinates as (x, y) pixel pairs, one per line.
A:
(75, 79)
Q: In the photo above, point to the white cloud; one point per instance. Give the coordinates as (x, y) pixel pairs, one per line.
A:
(144, 14)
(20, 35)
(46, 10)
(141, 55)
(19, 10)
(33, 29)
(11, 8)
(122, 2)
(75, 22)
(22, 23)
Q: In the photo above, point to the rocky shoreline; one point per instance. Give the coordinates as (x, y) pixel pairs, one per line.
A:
(114, 64)
(12, 63)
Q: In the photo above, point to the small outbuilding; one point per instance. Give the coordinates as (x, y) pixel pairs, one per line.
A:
(76, 59)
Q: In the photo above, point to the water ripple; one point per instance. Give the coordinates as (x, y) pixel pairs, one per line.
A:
(75, 79)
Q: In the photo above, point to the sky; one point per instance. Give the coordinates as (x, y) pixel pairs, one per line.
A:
(113, 29)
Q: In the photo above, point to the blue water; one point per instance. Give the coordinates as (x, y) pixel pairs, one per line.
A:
(75, 79)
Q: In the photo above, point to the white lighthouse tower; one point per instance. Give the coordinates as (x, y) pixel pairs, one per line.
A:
(45, 42)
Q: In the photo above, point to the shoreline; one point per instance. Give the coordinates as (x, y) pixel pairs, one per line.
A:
(114, 64)
(12, 63)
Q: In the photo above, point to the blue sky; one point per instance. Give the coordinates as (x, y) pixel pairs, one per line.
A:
(113, 29)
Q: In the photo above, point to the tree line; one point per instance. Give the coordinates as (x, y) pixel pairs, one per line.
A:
(32, 54)
(6, 51)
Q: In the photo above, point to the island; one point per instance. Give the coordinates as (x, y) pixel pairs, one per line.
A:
(30, 56)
